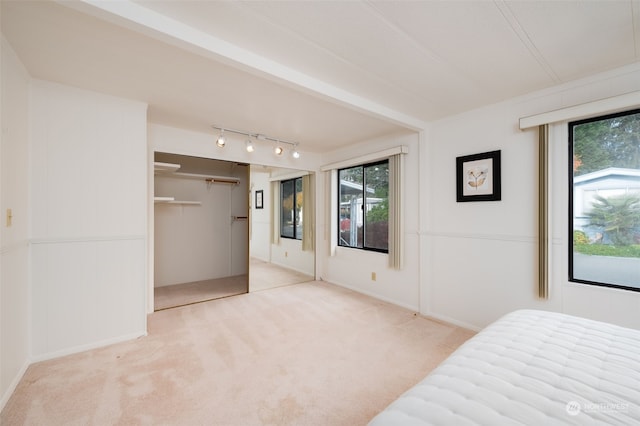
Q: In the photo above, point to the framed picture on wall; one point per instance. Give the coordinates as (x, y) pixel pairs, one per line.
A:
(478, 177)
(259, 199)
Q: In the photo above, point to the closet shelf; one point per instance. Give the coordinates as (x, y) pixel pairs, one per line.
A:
(172, 200)
(172, 170)
(183, 203)
(165, 167)
(186, 203)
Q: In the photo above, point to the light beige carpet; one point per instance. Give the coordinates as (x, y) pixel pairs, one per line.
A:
(171, 296)
(264, 275)
(305, 354)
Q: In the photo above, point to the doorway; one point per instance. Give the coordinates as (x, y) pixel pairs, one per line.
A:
(191, 261)
(201, 221)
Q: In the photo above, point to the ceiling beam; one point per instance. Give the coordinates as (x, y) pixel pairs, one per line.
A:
(161, 27)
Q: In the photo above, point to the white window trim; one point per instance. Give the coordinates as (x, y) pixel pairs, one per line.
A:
(586, 110)
(365, 159)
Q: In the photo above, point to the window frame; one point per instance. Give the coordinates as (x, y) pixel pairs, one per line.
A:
(571, 214)
(362, 166)
(294, 208)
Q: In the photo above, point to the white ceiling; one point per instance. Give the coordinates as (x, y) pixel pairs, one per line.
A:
(322, 73)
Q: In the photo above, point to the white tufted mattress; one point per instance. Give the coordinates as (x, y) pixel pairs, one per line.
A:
(533, 368)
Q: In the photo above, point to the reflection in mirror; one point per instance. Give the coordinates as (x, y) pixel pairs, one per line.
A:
(281, 242)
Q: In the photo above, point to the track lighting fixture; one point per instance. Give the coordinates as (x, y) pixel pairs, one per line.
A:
(249, 143)
(221, 140)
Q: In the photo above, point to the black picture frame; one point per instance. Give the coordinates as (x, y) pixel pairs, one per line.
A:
(478, 177)
(260, 199)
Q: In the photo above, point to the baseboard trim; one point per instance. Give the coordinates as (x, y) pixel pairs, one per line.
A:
(412, 308)
(87, 347)
(452, 321)
(282, 265)
(13, 385)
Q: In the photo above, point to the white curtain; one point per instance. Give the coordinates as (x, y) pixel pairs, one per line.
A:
(275, 212)
(331, 212)
(396, 228)
(308, 213)
(543, 211)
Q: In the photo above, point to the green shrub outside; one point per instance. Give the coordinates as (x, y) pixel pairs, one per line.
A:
(580, 237)
(608, 250)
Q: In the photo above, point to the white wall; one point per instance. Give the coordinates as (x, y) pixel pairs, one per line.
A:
(14, 248)
(260, 241)
(480, 258)
(352, 268)
(289, 254)
(88, 165)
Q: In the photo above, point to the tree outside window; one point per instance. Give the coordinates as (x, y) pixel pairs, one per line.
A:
(364, 206)
(291, 197)
(605, 200)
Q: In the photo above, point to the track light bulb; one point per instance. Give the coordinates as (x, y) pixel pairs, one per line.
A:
(221, 141)
(251, 138)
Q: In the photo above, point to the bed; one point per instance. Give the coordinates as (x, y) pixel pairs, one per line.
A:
(534, 368)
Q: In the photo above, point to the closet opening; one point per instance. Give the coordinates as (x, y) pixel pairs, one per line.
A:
(217, 229)
(201, 225)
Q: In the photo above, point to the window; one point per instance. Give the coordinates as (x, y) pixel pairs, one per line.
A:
(291, 197)
(363, 200)
(604, 201)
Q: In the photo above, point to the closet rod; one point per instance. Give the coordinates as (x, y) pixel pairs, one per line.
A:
(206, 178)
(217, 180)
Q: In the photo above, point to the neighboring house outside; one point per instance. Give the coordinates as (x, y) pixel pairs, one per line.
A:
(606, 183)
(352, 212)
